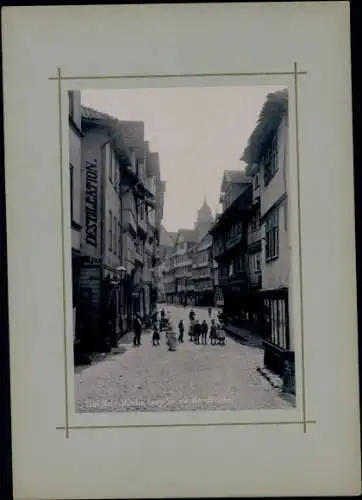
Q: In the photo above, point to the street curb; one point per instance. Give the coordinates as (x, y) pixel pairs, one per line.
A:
(245, 337)
(275, 381)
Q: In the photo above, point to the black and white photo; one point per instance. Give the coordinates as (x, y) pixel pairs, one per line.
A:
(181, 249)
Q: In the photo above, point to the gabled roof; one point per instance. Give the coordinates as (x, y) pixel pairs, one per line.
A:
(234, 177)
(90, 115)
(242, 205)
(93, 114)
(132, 132)
(173, 236)
(270, 117)
(167, 239)
(133, 135)
(204, 240)
(188, 235)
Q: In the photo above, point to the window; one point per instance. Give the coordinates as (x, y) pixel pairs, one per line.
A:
(255, 222)
(114, 235)
(272, 236)
(110, 232)
(71, 175)
(271, 161)
(71, 104)
(133, 204)
(257, 262)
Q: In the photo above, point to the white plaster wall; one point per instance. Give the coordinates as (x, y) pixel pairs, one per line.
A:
(275, 273)
(278, 184)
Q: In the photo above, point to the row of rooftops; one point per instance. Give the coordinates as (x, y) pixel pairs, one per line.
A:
(127, 136)
(275, 108)
(270, 117)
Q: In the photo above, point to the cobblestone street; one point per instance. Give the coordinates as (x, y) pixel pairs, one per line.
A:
(148, 378)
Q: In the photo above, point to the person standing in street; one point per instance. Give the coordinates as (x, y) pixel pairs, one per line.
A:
(171, 338)
(163, 318)
(155, 335)
(181, 330)
(197, 332)
(192, 315)
(137, 328)
(210, 311)
(191, 331)
(154, 316)
(204, 330)
(213, 332)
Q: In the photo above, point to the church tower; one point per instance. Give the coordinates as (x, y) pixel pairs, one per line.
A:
(204, 219)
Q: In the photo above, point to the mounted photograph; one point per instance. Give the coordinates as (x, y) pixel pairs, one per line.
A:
(181, 249)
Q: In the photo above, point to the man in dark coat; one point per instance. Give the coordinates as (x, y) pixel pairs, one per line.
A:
(197, 332)
(192, 315)
(204, 329)
(137, 329)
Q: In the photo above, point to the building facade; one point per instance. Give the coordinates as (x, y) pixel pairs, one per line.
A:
(267, 159)
(155, 215)
(119, 238)
(189, 270)
(106, 161)
(166, 243)
(203, 272)
(168, 277)
(230, 243)
(76, 197)
(181, 260)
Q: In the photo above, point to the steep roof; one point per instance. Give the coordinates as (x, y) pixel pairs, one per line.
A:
(188, 235)
(167, 239)
(132, 132)
(90, 115)
(234, 177)
(241, 205)
(133, 136)
(93, 114)
(204, 241)
(270, 117)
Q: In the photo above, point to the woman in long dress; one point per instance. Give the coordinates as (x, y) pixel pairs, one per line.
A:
(171, 338)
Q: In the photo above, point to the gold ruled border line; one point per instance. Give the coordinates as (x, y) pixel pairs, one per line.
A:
(181, 75)
(215, 424)
(296, 110)
(295, 74)
(64, 284)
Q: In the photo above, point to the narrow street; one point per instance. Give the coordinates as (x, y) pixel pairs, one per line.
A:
(148, 378)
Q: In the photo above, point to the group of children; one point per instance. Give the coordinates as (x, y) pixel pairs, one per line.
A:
(198, 332)
(163, 325)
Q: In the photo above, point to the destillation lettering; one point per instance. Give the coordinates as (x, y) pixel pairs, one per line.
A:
(91, 203)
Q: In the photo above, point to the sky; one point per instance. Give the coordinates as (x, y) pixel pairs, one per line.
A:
(198, 132)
